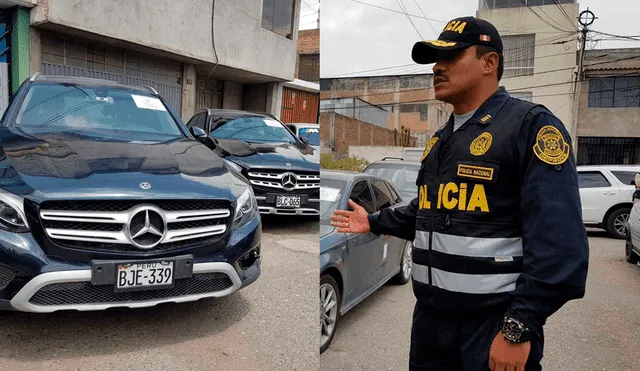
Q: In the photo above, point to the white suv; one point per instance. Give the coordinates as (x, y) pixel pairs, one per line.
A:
(606, 192)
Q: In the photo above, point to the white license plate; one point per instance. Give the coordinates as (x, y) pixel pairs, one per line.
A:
(288, 201)
(144, 275)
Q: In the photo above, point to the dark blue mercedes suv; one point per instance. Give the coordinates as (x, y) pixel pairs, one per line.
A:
(108, 200)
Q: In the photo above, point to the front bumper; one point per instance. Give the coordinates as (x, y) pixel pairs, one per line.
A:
(45, 284)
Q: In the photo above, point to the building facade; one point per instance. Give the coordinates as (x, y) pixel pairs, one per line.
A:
(233, 54)
(409, 101)
(540, 48)
(301, 97)
(608, 127)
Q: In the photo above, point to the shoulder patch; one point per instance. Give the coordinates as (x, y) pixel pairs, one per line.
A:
(551, 147)
(481, 144)
(427, 149)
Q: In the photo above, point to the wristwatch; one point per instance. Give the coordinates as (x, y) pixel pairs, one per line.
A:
(515, 331)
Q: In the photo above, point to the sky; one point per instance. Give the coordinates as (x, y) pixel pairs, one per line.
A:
(358, 39)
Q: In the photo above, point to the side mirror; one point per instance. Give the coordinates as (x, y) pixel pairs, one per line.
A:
(197, 133)
(304, 140)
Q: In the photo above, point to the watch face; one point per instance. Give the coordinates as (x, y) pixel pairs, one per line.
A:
(512, 330)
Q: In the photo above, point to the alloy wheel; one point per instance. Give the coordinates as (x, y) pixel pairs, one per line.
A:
(328, 312)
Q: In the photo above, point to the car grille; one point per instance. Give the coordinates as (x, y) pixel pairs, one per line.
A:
(284, 180)
(71, 293)
(112, 225)
(7, 275)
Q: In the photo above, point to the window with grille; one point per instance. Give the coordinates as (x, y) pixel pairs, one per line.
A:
(277, 16)
(421, 108)
(382, 83)
(350, 84)
(524, 95)
(309, 67)
(614, 92)
(519, 55)
(414, 82)
(325, 84)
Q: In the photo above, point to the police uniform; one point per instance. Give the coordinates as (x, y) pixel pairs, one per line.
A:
(497, 232)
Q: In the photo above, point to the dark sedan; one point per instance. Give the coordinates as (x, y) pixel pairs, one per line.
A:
(353, 266)
(402, 174)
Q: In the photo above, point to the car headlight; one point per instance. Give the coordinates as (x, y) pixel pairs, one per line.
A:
(246, 208)
(233, 165)
(12, 215)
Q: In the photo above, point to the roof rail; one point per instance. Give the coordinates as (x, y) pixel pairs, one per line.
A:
(34, 76)
(151, 88)
(393, 158)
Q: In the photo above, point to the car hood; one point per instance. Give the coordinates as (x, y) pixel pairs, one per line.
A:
(69, 165)
(292, 156)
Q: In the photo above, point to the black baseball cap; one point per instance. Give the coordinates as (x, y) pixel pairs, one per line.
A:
(458, 34)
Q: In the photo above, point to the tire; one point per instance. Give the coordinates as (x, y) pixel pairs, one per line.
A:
(405, 266)
(615, 223)
(629, 255)
(327, 331)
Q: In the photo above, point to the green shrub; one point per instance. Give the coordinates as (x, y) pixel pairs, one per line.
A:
(344, 164)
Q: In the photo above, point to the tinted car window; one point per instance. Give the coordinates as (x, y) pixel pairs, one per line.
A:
(400, 175)
(198, 121)
(313, 134)
(383, 195)
(251, 129)
(592, 179)
(361, 194)
(626, 177)
(79, 107)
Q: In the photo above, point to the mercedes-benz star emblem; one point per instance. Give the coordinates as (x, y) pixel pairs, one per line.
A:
(288, 164)
(289, 181)
(145, 185)
(146, 228)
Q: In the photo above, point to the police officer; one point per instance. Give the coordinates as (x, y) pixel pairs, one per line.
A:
(499, 243)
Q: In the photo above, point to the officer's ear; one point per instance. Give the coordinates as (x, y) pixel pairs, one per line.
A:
(492, 60)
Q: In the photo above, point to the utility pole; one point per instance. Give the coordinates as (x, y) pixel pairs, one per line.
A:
(585, 19)
(318, 16)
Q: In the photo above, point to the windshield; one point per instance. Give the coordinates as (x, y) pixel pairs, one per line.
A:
(68, 107)
(330, 196)
(313, 134)
(403, 177)
(252, 129)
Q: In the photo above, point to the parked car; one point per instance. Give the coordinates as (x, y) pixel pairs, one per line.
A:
(283, 170)
(309, 133)
(107, 200)
(402, 174)
(606, 192)
(353, 266)
(632, 241)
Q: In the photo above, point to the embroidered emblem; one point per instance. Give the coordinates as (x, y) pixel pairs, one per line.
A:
(551, 146)
(475, 172)
(430, 144)
(485, 118)
(441, 43)
(481, 144)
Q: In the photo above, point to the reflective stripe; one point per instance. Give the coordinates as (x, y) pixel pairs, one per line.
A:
(470, 246)
(466, 283)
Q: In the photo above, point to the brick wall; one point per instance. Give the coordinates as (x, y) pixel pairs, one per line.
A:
(308, 43)
(351, 132)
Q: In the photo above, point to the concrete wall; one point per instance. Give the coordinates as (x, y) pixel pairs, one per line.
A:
(548, 87)
(182, 28)
(375, 153)
(232, 96)
(188, 91)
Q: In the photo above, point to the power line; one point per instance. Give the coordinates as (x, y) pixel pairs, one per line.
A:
(564, 12)
(634, 38)
(425, 16)
(541, 18)
(395, 11)
(401, 5)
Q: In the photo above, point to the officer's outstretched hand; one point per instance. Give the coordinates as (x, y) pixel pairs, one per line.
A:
(507, 356)
(355, 221)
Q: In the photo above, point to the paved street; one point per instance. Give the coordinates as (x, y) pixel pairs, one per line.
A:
(270, 325)
(596, 333)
